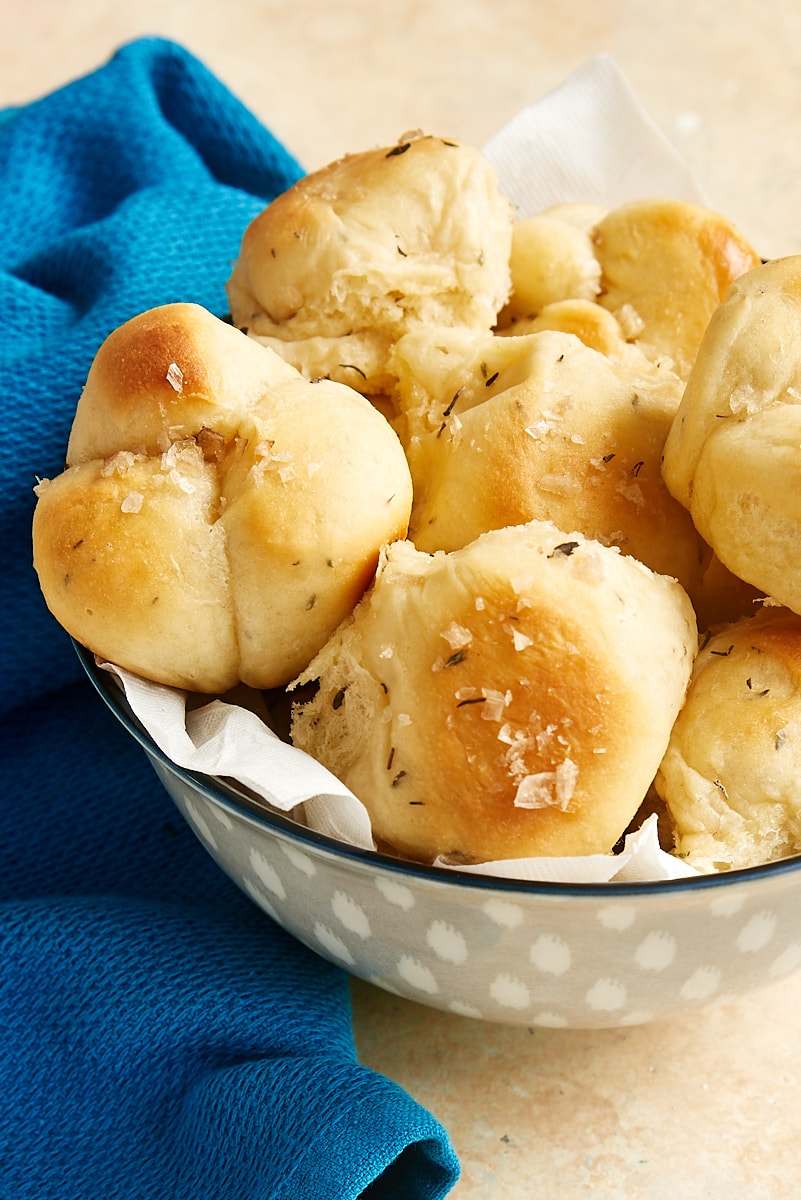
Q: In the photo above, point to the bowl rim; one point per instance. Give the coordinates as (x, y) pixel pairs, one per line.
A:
(219, 789)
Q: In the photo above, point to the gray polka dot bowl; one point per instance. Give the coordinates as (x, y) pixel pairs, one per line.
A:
(547, 954)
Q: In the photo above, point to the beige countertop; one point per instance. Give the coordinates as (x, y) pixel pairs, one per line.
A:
(707, 1107)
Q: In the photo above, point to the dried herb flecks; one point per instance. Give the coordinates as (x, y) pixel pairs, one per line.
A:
(456, 658)
(447, 412)
(565, 549)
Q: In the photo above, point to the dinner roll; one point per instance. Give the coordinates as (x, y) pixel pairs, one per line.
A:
(509, 699)
(588, 321)
(733, 455)
(551, 259)
(502, 430)
(165, 375)
(133, 563)
(665, 267)
(334, 270)
(730, 775)
(220, 514)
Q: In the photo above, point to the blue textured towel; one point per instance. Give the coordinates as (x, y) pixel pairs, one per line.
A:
(161, 1038)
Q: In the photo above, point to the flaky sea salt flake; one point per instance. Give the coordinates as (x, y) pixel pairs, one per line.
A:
(495, 703)
(521, 640)
(745, 399)
(559, 485)
(457, 636)
(548, 789)
(175, 377)
(132, 503)
(118, 464)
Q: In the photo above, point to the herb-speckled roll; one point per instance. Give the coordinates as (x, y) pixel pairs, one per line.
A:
(509, 699)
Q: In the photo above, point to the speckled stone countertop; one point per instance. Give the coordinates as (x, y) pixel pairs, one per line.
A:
(706, 1107)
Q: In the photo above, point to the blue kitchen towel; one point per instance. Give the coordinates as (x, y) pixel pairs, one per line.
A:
(160, 1038)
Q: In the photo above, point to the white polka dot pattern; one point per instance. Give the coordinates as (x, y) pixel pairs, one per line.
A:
(221, 817)
(549, 960)
(333, 944)
(551, 954)
(756, 933)
(701, 984)
(300, 861)
(788, 960)
(201, 827)
(606, 995)
(446, 942)
(267, 874)
(550, 1020)
(260, 897)
(419, 976)
(619, 917)
(656, 951)
(395, 893)
(510, 992)
(727, 906)
(504, 913)
(464, 1010)
(351, 915)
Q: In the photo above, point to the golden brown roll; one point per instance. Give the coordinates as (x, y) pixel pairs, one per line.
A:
(733, 455)
(665, 267)
(510, 699)
(333, 271)
(133, 563)
(588, 321)
(165, 375)
(502, 430)
(730, 775)
(221, 514)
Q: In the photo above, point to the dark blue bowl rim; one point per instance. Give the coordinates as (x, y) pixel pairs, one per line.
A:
(219, 789)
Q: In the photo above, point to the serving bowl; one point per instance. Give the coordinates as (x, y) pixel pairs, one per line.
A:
(561, 955)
